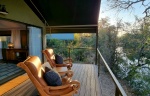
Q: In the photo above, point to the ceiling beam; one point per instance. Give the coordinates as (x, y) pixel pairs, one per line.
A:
(72, 29)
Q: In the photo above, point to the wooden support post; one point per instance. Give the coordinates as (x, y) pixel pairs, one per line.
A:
(117, 93)
(98, 64)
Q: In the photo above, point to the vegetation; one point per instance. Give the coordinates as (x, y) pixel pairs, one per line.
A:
(132, 53)
(129, 5)
(128, 55)
(136, 46)
(80, 48)
(107, 40)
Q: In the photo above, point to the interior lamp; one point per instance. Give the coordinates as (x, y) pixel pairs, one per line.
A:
(10, 45)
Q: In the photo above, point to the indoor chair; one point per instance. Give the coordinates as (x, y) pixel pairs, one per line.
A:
(33, 67)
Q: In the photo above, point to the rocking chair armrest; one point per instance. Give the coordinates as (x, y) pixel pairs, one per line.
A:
(68, 73)
(68, 59)
(66, 62)
(57, 87)
(74, 84)
(63, 73)
(55, 91)
(70, 64)
(63, 65)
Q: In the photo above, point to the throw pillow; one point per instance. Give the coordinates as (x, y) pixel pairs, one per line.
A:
(58, 59)
(49, 69)
(52, 78)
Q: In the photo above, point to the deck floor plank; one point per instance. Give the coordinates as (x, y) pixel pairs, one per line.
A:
(78, 76)
(87, 84)
(93, 84)
(22, 89)
(82, 81)
(88, 78)
(86, 74)
(98, 89)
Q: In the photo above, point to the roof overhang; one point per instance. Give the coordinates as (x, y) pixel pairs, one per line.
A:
(70, 16)
(72, 29)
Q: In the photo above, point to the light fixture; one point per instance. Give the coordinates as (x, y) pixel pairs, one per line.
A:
(10, 45)
(3, 10)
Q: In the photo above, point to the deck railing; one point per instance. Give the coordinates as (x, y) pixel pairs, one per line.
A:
(119, 90)
(76, 55)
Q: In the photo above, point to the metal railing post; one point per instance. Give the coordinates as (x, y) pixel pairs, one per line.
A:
(69, 51)
(98, 63)
(117, 92)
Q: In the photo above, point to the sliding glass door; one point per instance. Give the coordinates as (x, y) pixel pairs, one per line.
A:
(35, 42)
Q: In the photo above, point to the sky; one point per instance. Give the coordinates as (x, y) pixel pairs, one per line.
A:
(127, 16)
(67, 36)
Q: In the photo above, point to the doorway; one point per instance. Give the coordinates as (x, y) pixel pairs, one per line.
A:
(25, 40)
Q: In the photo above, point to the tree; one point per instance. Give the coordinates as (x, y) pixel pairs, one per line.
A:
(108, 40)
(136, 47)
(75, 48)
(130, 4)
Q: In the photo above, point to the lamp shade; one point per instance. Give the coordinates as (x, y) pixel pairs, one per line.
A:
(10, 45)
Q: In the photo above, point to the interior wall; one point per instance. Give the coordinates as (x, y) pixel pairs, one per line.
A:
(19, 11)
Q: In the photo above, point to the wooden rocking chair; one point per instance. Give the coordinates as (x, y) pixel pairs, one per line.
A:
(32, 65)
(50, 56)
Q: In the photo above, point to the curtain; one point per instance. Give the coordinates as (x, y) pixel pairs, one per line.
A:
(1, 49)
(15, 38)
(3, 44)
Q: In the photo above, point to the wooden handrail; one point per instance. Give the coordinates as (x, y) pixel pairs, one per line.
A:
(69, 49)
(119, 90)
(76, 47)
(118, 86)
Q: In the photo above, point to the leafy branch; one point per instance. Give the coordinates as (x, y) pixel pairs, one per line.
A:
(128, 4)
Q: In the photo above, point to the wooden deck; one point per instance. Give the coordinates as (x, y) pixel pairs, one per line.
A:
(86, 74)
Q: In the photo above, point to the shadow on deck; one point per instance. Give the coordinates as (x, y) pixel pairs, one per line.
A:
(86, 74)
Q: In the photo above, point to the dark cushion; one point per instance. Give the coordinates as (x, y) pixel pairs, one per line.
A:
(52, 78)
(58, 59)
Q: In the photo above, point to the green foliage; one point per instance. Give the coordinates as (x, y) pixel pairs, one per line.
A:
(107, 41)
(136, 67)
(133, 63)
(59, 46)
(76, 47)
